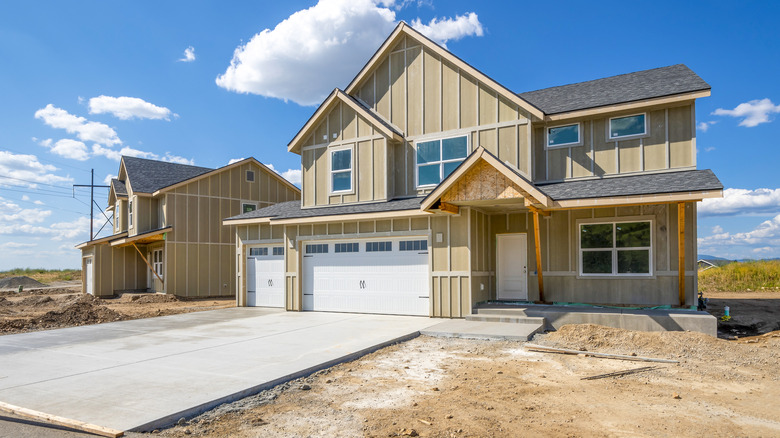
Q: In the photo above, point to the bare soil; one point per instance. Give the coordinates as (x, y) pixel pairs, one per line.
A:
(436, 387)
(65, 306)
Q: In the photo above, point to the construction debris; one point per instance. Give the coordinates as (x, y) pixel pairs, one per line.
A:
(543, 349)
(619, 373)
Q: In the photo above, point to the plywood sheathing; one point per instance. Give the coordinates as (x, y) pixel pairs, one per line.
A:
(483, 182)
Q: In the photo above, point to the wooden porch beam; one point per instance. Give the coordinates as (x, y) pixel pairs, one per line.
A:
(448, 208)
(147, 264)
(681, 251)
(537, 245)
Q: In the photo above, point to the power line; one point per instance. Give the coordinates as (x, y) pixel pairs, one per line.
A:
(34, 182)
(47, 160)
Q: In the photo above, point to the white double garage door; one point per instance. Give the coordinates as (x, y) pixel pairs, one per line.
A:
(384, 275)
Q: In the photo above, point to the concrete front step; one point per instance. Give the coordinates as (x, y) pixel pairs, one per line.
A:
(459, 328)
(508, 318)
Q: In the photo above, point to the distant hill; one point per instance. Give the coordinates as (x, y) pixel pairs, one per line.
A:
(710, 257)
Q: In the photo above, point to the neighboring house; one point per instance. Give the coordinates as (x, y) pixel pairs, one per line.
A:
(705, 264)
(429, 188)
(168, 235)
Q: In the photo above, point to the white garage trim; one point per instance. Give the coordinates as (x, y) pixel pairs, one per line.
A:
(265, 275)
(89, 275)
(367, 275)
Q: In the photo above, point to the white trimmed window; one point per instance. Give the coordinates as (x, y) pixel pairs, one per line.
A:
(436, 159)
(157, 261)
(130, 213)
(616, 248)
(341, 171)
(560, 136)
(246, 207)
(250, 176)
(628, 126)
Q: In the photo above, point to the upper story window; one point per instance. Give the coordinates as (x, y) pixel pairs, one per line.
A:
(629, 126)
(437, 159)
(568, 135)
(157, 262)
(130, 213)
(616, 248)
(250, 176)
(341, 170)
(247, 207)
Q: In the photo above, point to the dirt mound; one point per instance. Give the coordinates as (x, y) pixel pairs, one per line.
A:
(86, 309)
(154, 298)
(15, 282)
(35, 301)
(4, 302)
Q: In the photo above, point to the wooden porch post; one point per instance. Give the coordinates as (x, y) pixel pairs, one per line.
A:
(147, 264)
(537, 245)
(681, 251)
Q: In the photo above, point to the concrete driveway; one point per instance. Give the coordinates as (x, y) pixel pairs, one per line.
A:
(138, 375)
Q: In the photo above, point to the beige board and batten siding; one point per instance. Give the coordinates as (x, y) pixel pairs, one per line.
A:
(129, 275)
(560, 256)
(428, 98)
(669, 144)
(343, 128)
(199, 251)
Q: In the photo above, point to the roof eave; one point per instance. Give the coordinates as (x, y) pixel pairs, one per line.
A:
(626, 106)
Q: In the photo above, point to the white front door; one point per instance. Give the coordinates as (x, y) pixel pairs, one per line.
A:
(265, 277)
(382, 275)
(89, 278)
(512, 266)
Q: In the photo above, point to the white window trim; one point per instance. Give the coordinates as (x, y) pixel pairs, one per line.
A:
(440, 162)
(130, 203)
(254, 175)
(626, 137)
(579, 141)
(158, 265)
(351, 170)
(613, 221)
(243, 203)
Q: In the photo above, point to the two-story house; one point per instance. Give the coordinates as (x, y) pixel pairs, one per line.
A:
(429, 188)
(168, 236)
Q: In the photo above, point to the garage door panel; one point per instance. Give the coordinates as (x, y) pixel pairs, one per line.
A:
(389, 282)
(265, 279)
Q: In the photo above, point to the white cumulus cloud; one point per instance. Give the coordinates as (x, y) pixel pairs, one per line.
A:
(127, 108)
(116, 155)
(12, 212)
(235, 160)
(26, 170)
(189, 55)
(742, 201)
(108, 178)
(705, 126)
(765, 235)
(72, 149)
(450, 29)
(317, 49)
(292, 175)
(84, 129)
(752, 113)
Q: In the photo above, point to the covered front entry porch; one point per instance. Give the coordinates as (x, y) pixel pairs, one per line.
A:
(528, 247)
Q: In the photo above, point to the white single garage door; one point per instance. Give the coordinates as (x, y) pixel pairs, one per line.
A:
(90, 278)
(388, 276)
(265, 277)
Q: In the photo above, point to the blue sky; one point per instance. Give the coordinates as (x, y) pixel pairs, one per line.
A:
(82, 81)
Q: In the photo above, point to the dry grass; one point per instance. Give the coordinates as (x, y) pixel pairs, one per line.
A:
(745, 276)
(45, 276)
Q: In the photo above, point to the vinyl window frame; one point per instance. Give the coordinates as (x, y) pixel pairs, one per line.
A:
(245, 203)
(615, 249)
(351, 170)
(130, 212)
(579, 141)
(158, 262)
(440, 162)
(645, 133)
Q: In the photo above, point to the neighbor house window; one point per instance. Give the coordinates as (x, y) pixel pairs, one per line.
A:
(157, 262)
(616, 248)
(246, 208)
(563, 135)
(341, 170)
(438, 158)
(628, 126)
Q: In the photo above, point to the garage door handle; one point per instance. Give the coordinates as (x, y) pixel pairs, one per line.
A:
(362, 284)
(270, 282)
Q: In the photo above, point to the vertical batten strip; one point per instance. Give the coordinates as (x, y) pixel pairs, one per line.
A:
(681, 251)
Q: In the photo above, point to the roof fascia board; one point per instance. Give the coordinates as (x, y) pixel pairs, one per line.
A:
(331, 218)
(627, 106)
(101, 240)
(138, 237)
(404, 28)
(228, 167)
(327, 105)
(616, 201)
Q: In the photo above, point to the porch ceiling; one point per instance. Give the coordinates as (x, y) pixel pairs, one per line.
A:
(142, 239)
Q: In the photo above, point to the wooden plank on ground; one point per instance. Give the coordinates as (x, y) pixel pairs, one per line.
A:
(543, 349)
(60, 421)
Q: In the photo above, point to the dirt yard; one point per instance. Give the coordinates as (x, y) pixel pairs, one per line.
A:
(752, 313)
(435, 387)
(64, 305)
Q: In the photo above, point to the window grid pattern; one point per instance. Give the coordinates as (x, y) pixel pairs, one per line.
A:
(436, 159)
(258, 251)
(616, 248)
(379, 246)
(346, 247)
(317, 248)
(341, 170)
(413, 245)
(157, 262)
(278, 250)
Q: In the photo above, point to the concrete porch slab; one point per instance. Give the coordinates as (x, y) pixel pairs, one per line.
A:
(458, 328)
(143, 374)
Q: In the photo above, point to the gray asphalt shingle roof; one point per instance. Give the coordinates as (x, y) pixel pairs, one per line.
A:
(632, 185)
(293, 210)
(148, 176)
(630, 87)
(119, 188)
